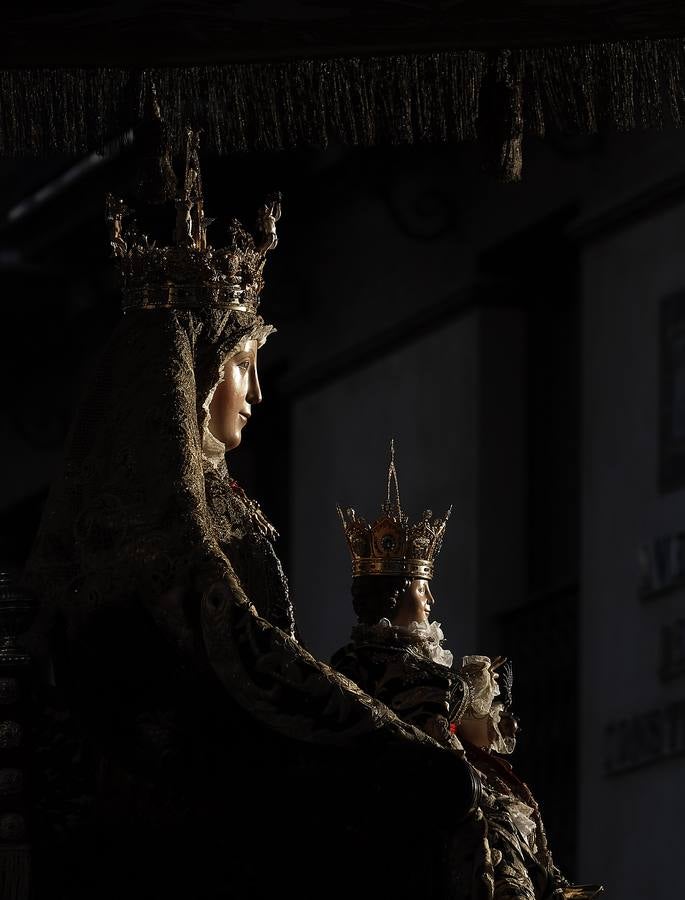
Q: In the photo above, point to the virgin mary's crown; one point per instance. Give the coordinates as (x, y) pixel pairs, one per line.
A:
(392, 545)
(190, 273)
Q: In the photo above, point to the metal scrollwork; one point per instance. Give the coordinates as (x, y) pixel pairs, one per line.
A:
(12, 827)
(9, 690)
(11, 734)
(11, 782)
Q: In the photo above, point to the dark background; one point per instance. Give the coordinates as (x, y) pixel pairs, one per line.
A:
(381, 248)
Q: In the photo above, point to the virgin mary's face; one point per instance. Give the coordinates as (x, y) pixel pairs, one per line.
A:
(231, 405)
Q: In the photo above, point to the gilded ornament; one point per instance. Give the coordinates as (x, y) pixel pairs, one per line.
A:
(12, 827)
(10, 735)
(191, 274)
(392, 545)
(11, 782)
(9, 690)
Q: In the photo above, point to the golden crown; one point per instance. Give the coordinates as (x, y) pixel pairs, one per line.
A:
(391, 545)
(191, 273)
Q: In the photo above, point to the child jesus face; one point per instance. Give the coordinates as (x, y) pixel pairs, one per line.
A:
(414, 603)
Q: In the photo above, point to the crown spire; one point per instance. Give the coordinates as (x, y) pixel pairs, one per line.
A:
(190, 273)
(393, 506)
(391, 545)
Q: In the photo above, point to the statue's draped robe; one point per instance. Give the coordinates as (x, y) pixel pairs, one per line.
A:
(394, 664)
(192, 747)
(523, 867)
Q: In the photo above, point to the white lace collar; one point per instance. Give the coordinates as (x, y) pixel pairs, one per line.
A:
(427, 635)
(213, 451)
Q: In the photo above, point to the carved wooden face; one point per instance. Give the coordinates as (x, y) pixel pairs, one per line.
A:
(231, 405)
(414, 604)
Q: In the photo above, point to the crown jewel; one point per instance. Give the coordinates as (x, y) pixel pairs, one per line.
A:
(190, 273)
(392, 545)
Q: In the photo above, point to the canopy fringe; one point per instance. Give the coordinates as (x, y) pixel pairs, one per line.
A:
(403, 99)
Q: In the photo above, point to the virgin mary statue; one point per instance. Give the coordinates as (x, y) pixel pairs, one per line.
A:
(214, 757)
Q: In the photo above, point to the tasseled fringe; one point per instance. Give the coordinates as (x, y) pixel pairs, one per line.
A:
(435, 97)
(15, 873)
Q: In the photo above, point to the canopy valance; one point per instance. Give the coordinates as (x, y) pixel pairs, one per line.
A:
(309, 75)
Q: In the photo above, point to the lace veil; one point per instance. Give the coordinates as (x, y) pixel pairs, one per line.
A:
(129, 516)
